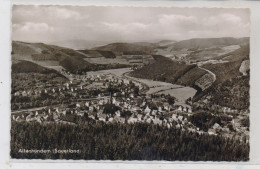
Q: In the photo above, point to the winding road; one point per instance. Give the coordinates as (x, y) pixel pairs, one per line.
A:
(213, 74)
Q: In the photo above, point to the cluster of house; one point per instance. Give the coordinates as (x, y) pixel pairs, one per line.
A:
(94, 109)
(71, 86)
(124, 97)
(235, 114)
(205, 103)
(217, 128)
(37, 115)
(241, 133)
(84, 82)
(163, 115)
(46, 90)
(141, 107)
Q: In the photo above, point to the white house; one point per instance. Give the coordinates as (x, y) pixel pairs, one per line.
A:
(154, 112)
(64, 112)
(87, 104)
(147, 110)
(212, 132)
(149, 120)
(216, 126)
(180, 118)
(174, 117)
(139, 117)
(178, 126)
(180, 108)
(113, 100)
(157, 121)
(119, 119)
(92, 117)
(101, 102)
(91, 108)
(132, 95)
(118, 113)
(132, 120)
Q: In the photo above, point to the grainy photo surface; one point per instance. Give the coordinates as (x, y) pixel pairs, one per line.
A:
(130, 83)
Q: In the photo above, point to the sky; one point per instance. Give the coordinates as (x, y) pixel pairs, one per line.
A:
(92, 23)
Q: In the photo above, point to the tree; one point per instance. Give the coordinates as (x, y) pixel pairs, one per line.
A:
(136, 90)
(110, 109)
(126, 114)
(171, 100)
(123, 141)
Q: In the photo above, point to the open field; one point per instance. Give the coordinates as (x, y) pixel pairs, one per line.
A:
(158, 89)
(103, 60)
(181, 94)
(154, 84)
(228, 49)
(117, 72)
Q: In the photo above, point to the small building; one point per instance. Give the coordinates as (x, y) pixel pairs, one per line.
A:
(180, 108)
(180, 118)
(132, 120)
(147, 110)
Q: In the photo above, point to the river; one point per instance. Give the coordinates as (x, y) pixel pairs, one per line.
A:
(181, 93)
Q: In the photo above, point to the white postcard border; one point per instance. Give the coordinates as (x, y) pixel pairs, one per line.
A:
(5, 68)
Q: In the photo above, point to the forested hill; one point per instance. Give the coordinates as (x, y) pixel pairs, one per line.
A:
(231, 88)
(101, 141)
(55, 56)
(230, 69)
(165, 69)
(27, 75)
(119, 48)
(29, 67)
(49, 55)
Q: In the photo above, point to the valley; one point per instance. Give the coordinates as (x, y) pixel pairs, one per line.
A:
(131, 83)
(189, 86)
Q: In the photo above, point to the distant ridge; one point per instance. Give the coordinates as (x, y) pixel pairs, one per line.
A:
(119, 48)
(209, 42)
(79, 44)
(47, 55)
(59, 57)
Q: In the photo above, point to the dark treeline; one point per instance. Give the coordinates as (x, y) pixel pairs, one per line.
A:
(107, 141)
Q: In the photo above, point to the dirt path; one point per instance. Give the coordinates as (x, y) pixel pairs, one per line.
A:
(82, 53)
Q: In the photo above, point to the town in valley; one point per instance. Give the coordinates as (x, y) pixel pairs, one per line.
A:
(175, 88)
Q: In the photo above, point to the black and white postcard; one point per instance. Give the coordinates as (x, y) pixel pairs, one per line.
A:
(130, 83)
